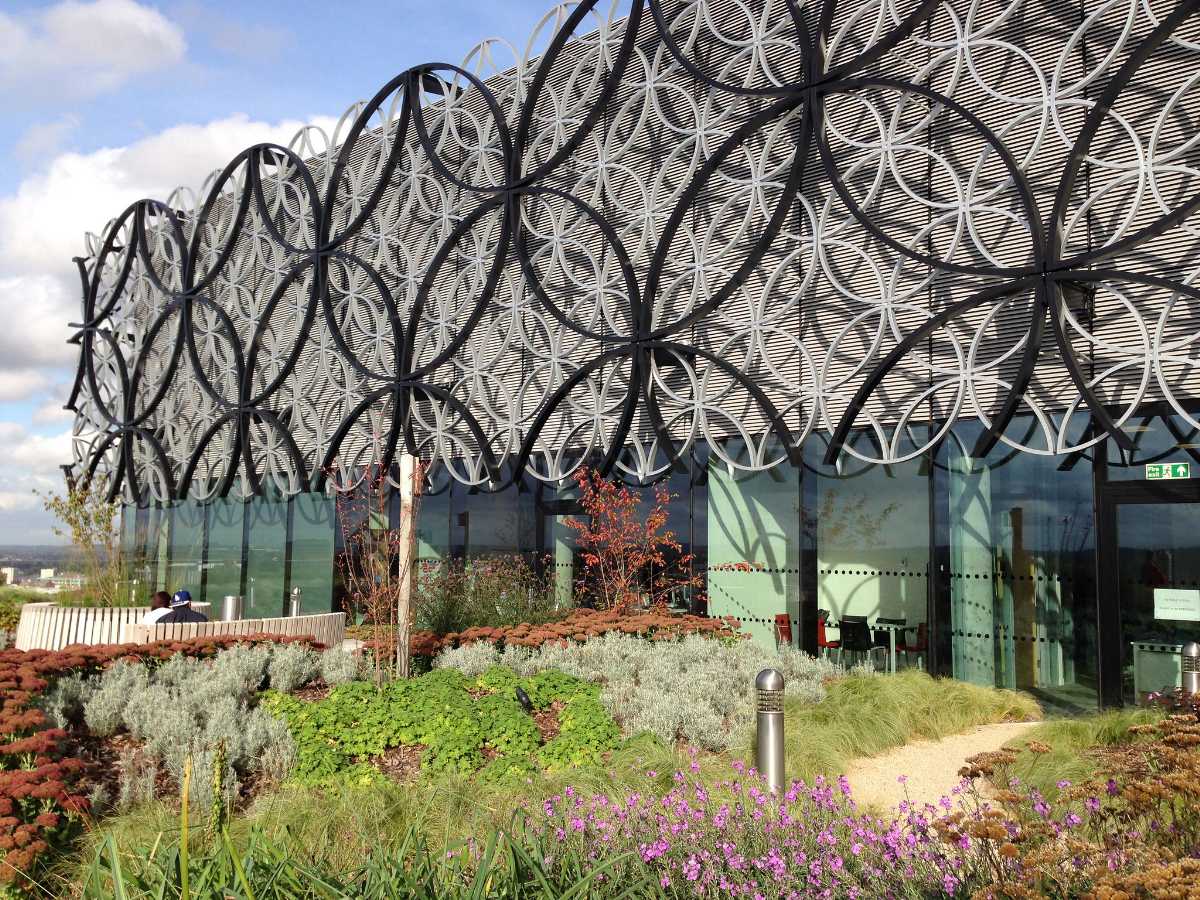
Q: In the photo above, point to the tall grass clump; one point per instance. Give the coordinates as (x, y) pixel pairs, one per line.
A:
(697, 690)
(185, 863)
(1065, 749)
(865, 716)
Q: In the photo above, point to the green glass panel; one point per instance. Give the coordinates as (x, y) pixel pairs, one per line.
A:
(266, 558)
(1021, 536)
(433, 525)
(223, 563)
(184, 568)
(313, 536)
(753, 518)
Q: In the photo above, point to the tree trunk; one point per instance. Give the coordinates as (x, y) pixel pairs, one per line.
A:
(406, 561)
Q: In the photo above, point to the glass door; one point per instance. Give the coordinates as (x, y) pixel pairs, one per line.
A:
(1150, 598)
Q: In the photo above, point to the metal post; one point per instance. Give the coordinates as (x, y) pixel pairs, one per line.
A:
(769, 755)
(295, 607)
(1190, 664)
(231, 608)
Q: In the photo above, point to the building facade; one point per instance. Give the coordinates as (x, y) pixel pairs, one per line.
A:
(897, 297)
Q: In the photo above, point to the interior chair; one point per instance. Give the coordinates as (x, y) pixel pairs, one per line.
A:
(856, 640)
(824, 645)
(783, 630)
(918, 648)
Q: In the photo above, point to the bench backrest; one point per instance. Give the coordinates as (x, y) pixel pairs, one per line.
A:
(327, 628)
(48, 626)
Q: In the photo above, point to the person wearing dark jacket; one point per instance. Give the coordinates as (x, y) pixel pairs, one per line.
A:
(181, 610)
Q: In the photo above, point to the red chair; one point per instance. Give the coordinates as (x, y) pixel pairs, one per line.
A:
(824, 645)
(783, 630)
(920, 647)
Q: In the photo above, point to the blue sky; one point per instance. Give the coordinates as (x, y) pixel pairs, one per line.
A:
(108, 101)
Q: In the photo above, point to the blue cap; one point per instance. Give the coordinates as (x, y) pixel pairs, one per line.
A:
(181, 598)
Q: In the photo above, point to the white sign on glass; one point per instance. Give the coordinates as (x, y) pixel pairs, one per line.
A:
(1177, 605)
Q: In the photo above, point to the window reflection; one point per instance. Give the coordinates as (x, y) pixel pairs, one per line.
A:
(1020, 541)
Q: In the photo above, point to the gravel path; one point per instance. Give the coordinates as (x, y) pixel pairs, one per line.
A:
(931, 766)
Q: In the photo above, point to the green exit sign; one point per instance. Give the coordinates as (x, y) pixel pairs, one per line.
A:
(1160, 471)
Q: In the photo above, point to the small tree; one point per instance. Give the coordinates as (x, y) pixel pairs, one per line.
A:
(628, 552)
(379, 563)
(92, 523)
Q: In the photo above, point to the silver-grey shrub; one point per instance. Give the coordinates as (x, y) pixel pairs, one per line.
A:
(63, 703)
(189, 707)
(291, 666)
(338, 666)
(697, 690)
(104, 712)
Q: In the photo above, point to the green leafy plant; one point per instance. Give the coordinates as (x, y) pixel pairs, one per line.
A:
(456, 720)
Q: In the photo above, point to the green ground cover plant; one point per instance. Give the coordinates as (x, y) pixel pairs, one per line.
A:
(458, 722)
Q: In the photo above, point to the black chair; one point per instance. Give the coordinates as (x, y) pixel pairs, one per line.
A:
(882, 637)
(856, 638)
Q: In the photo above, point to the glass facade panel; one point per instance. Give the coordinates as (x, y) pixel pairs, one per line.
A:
(754, 519)
(1159, 592)
(1020, 533)
(1157, 440)
(869, 527)
(185, 565)
(312, 549)
(223, 557)
(266, 557)
(433, 524)
(500, 523)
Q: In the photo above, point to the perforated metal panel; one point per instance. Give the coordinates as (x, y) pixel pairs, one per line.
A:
(670, 224)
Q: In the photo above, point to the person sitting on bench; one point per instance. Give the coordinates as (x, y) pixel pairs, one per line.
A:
(181, 610)
(160, 605)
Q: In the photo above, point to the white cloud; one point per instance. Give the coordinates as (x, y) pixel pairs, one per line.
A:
(43, 222)
(44, 139)
(18, 384)
(30, 462)
(74, 49)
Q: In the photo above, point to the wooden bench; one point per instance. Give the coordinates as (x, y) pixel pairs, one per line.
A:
(48, 626)
(327, 628)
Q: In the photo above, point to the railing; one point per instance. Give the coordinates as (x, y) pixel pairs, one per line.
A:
(48, 626)
(326, 628)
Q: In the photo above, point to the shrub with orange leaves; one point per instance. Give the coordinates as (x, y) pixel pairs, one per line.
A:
(629, 554)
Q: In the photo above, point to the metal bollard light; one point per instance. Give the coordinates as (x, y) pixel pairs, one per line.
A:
(294, 605)
(1190, 664)
(231, 608)
(769, 756)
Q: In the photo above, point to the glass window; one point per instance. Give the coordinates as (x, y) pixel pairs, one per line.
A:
(500, 523)
(266, 555)
(868, 525)
(312, 551)
(185, 568)
(753, 545)
(1158, 442)
(433, 523)
(223, 562)
(1020, 536)
(155, 548)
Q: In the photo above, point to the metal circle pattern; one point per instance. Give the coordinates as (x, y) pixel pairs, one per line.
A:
(671, 224)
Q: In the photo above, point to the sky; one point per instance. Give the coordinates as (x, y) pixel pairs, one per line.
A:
(110, 101)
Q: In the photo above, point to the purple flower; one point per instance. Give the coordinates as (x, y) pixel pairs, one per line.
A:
(1063, 784)
(1112, 788)
(1092, 804)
